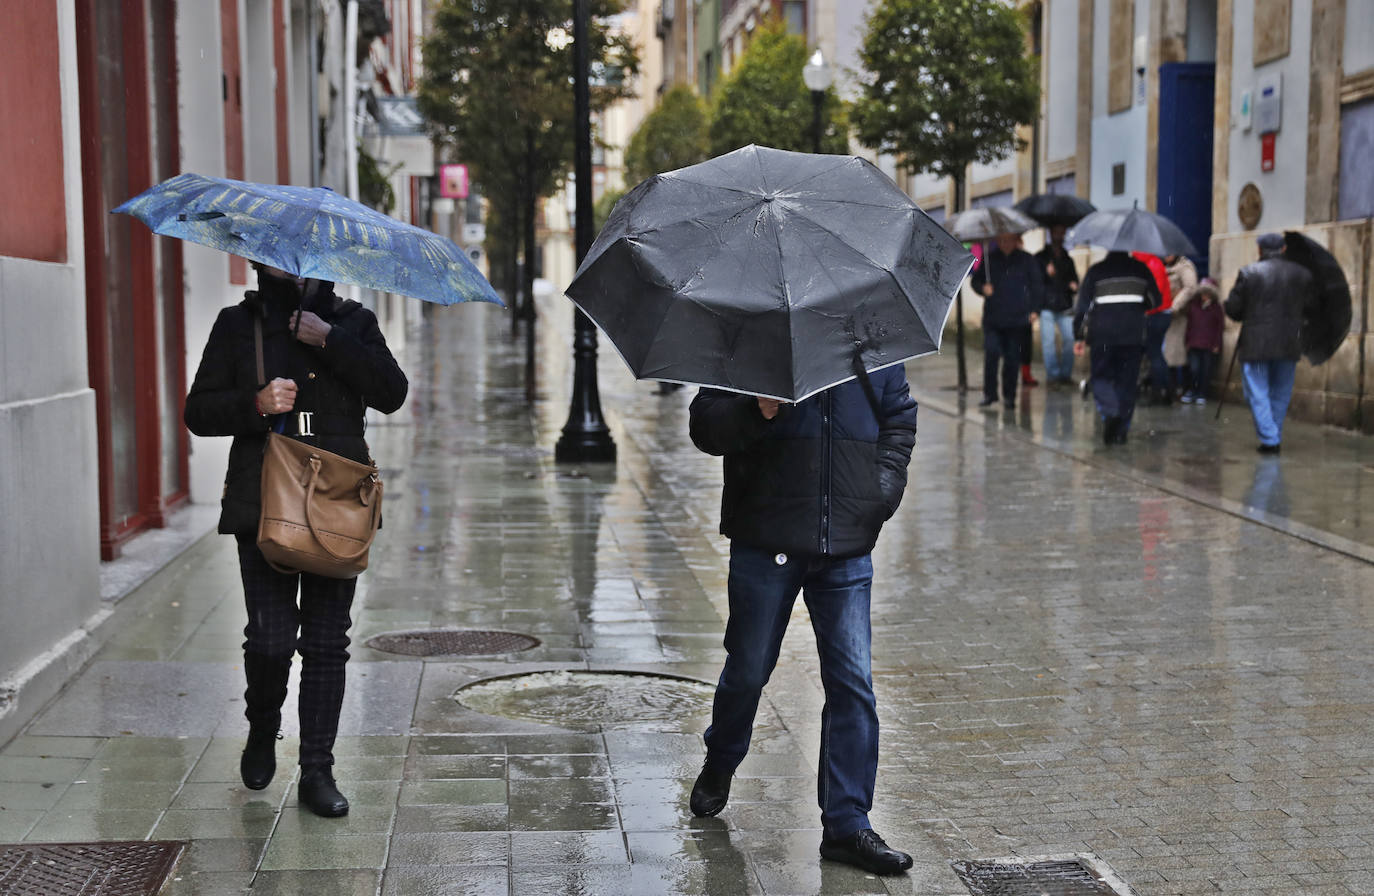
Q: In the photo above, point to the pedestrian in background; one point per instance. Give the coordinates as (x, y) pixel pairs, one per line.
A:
(1110, 317)
(332, 361)
(807, 489)
(1205, 322)
(1182, 283)
(1013, 288)
(1270, 298)
(1056, 315)
(1157, 321)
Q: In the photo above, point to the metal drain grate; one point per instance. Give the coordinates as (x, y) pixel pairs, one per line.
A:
(1042, 876)
(452, 642)
(133, 868)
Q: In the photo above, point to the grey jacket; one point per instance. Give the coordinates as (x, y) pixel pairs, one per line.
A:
(1270, 298)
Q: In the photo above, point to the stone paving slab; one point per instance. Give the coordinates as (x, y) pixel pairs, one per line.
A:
(1069, 657)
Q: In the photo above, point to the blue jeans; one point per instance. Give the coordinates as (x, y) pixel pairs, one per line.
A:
(1269, 388)
(762, 592)
(1058, 364)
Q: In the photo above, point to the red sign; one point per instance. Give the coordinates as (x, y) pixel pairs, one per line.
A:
(453, 181)
(1267, 151)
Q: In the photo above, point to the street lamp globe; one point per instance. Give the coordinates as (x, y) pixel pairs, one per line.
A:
(817, 74)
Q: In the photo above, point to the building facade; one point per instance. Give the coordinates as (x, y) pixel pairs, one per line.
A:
(103, 323)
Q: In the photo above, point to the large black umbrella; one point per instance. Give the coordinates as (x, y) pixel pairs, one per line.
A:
(769, 273)
(1131, 230)
(1325, 329)
(1055, 209)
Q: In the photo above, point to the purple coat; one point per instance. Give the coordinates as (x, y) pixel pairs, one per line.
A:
(1205, 322)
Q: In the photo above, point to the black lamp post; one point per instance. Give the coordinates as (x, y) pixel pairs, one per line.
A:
(817, 76)
(585, 438)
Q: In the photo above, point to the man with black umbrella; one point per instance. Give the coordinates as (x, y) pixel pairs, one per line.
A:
(1112, 301)
(807, 488)
(1270, 297)
(1013, 289)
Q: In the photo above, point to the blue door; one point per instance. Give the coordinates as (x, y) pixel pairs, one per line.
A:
(1186, 104)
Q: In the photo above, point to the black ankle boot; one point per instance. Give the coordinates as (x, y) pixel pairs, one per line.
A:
(711, 791)
(259, 761)
(320, 794)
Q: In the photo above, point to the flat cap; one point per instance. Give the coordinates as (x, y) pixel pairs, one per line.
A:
(1270, 242)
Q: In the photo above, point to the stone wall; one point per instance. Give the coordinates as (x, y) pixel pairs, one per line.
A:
(1341, 391)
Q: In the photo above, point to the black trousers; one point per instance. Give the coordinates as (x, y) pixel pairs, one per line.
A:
(1001, 346)
(279, 627)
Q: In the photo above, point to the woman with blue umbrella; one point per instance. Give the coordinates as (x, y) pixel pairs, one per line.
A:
(324, 361)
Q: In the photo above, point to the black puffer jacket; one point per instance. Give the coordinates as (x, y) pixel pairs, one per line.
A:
(820, 478)
(353, 371)
(1271, 297)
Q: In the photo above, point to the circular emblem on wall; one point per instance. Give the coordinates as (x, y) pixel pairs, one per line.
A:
(1250, 208)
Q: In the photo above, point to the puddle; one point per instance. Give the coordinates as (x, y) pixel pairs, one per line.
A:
(595, 701)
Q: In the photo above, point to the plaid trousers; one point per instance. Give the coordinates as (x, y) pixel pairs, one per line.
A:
(278, 628)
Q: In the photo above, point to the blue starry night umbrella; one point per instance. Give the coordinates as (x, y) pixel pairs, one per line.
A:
(311, 232)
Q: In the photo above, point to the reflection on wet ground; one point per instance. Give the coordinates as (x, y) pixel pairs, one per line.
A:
(1075, 651)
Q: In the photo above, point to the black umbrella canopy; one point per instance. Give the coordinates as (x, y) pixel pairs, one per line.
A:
(1325, 329)
(1131, 230)
(768, 272)
(1055, 209)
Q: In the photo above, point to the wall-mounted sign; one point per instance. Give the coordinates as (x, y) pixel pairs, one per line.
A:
(1250, 208)
(1269, 103)
(1243, 118)
(1267, 151)
(453, 181)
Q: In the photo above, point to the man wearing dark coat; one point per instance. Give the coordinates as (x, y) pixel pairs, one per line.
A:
(1270, 297)
(1013, 289)
(1110, 317)
(807, 488)
(1056, 314)
(325, 362)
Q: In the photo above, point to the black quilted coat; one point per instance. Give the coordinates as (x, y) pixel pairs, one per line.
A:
(354, 370)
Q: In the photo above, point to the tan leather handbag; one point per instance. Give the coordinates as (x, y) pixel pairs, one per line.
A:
(320, 510)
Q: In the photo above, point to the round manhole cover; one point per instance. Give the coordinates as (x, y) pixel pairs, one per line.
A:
(594, 701)
(451, 642)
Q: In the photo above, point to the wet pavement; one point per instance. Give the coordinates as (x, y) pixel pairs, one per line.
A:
(1157, 654)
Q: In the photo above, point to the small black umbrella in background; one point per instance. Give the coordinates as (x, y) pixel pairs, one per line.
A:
(989, 222)
(1131, 230)
(769, 273)
(1055, 209)
(1325, 329)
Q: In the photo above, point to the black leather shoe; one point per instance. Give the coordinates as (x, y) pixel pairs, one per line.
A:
(865, 849)
(1110, 427)
(259, 761)
(711, 791)
(1269, 449)
(987, 402)
(320, 794)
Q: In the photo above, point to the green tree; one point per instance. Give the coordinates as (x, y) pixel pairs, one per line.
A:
(497, 91)
(672, 136)
(764, 100)
(945, 84)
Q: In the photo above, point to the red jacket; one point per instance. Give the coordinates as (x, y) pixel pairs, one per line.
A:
(1157, 268)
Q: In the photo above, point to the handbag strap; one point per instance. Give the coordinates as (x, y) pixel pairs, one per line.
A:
(375, 499)
(257, 348)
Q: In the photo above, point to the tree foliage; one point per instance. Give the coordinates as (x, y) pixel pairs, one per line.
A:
(674, 135)
(945, 83)
(497, 89)
(763, 99)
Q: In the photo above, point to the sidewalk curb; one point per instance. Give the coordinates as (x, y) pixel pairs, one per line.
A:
(1295, 529)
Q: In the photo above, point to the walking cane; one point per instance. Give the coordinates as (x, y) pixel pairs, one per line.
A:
(1230, 369)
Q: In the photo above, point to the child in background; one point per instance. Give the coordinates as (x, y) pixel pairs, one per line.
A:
(1205, 324)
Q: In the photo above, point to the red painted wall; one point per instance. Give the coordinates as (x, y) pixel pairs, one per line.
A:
(34, 224)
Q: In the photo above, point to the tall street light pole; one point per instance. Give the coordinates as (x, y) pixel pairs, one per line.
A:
(817, 76)
(585, 438)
